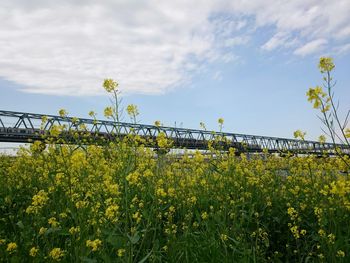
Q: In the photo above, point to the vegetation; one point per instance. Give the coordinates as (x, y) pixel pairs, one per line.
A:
(123, 202)
(323, 99)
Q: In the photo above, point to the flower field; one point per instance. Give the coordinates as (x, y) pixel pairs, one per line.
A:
(124, 203)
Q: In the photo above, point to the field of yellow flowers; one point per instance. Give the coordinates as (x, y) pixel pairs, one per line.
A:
(122, 202)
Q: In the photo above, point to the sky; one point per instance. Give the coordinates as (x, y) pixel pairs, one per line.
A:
(181, 62)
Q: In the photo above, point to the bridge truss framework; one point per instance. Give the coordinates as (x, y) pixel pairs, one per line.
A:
(25, 127)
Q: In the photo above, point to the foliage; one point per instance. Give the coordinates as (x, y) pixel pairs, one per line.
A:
(323, 99)
(122, 202)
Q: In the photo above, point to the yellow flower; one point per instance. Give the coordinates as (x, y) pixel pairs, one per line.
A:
(315, 95)
(221, 121)
(53, 222)
(112, 212)
(33, 251)
(298, 134)
(132, 110)
(321, 232)
(94, 244)
(322, 139)
(326, 64)
(44, 119)
(42, 230)
(63, 215)
(73, 230)
(318, 211)
(56, 254)
(38, 202)
(193, 200)
(340, 253)
(292, 213)
(223, 237)
(110, 85)
(62, 112)
(81, 204)
(204, 215)
(55, 130)
(163, 141)
(295, 231)
(347, 133)
(160, 192)
(11, 247)
(108, 112)
(165, 248)
(157, 123)
(121, 252)
(331, 238)
(137, 216)
(172, 209)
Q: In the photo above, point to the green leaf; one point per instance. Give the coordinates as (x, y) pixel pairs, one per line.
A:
(88, 260)
(135, 238)
(116, 241)
(20, 224)
(146, 257)
(52, 230)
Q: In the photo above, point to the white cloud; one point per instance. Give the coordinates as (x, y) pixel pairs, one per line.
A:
(343, 33)
(343, 49)
(311, 47)
(67, 47)
(301, 21)
(236, 41)
(280, 39)
(217, 76)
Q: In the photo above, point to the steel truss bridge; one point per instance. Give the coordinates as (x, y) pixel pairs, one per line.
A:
(22, 127)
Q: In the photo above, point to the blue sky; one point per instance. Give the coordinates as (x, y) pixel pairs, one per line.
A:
(249, 62)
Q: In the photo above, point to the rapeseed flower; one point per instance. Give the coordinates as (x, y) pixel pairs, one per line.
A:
(120, 252)
(204, 215)
(223, 237)
(53, 222)
(38, 202)
(110, 85)
(57, 254)
(298, 134)
(108, 112)
(94, 244)
(33, 251)
(132, 110)
(112, 212)
(11, 247)
(340, 253)
(74, 230)
(42, 230)
(62, 112)
(326, 64)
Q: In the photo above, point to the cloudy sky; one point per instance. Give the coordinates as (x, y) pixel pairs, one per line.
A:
(183, 62)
